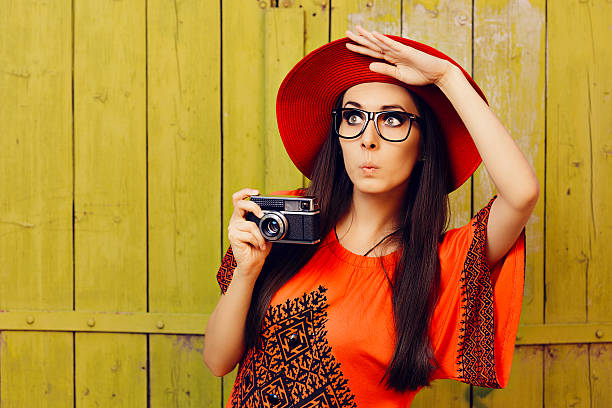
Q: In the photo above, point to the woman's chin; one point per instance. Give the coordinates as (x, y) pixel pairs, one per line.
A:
(370, 185)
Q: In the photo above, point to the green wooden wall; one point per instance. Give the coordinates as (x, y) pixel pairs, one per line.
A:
(125, 126)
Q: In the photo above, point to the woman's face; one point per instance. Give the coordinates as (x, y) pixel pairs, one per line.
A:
(394, 161)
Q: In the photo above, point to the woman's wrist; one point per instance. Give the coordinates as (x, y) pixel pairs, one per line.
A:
(247, 275)
(450, 77)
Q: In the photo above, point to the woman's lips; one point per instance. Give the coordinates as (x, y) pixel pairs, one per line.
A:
(368, 167)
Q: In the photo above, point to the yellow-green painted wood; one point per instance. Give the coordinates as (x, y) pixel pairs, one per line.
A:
(566, 376)
(111, 370)
(381, 15)
(119, 322)
(243, 121)
(283, 48)
(445, 25)
(599, 87)
(184, 159)
(600, 360)
(525, 386)
(35, 197)
(179, 378)
(509, 66)
(573, 132)
(110, 197)
(577, 224)
(316, 22)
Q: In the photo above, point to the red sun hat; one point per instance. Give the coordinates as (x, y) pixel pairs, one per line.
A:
(308, 93)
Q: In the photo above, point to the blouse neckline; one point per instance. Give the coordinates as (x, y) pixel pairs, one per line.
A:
(332, 243)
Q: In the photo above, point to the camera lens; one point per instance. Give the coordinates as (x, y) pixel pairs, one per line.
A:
(273, 226)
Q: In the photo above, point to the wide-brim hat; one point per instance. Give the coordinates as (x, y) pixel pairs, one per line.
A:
(308, 93)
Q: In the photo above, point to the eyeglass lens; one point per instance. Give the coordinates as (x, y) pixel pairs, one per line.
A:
(392, 125)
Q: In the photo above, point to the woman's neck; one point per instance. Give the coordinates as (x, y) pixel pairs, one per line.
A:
(369, 219)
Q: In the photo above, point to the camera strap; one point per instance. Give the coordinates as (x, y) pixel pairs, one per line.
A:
(370, 250)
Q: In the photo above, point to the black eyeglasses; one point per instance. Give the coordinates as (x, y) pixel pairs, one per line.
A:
(393, 126)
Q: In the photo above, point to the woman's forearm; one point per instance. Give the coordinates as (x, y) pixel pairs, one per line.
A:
(510, 171)
(224, 337)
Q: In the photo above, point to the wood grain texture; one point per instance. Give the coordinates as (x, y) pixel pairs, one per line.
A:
(35, 197)
(525, 387)
(566, 376)
(110, 196)
(243, 120)
(184, 159)
(509, 66)
(576, 135)
(600, 361)
(383, 16)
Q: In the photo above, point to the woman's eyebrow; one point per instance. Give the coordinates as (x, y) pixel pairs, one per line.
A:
(384, 107)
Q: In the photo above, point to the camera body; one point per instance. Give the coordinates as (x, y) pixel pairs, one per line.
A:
(289, 219)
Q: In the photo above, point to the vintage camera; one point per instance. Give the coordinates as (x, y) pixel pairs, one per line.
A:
(289, 219)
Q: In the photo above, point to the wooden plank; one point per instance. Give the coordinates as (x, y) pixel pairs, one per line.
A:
(182, 380)
(570, 183)
(445, 25)
(110, 196)
(243, 120)
(35, 197)
(283, 48)
(509, 66)
(36, 369)
(316, 22)
(444, 393)
(564, 333)
(111, 370)
(577, 237)
(600, 361)
(599, 87)
(566, 380)
(525, 387)
(118, 322)
(382, 15)
(184, 162)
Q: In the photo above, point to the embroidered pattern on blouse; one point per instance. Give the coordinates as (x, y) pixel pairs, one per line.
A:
(294, 365)
(226, 270)
(476, 341)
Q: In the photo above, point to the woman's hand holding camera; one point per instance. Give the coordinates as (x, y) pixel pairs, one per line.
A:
(248, 245)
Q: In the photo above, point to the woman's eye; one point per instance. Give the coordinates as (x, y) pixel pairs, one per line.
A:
(352, 117)
(392, 119)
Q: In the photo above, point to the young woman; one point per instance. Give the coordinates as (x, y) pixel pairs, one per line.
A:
(389, 300)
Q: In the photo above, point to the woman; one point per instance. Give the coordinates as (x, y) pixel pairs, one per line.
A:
(387, 301)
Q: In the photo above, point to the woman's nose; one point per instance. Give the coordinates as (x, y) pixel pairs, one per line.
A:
(369, 138)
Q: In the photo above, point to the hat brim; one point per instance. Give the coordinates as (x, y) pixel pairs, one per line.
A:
(308, 92)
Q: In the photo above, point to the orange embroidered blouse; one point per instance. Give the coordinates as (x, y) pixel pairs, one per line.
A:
(328, 335)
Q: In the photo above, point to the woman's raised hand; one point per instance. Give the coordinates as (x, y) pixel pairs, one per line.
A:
(407, 64)
(248, 245)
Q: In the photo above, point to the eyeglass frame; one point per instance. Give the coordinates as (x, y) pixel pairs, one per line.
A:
(374, 116)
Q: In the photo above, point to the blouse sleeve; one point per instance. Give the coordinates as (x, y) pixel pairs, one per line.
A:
(226, 270)
(228, 263)
(475, 321)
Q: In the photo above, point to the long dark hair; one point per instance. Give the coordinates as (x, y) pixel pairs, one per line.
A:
(415, 283)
